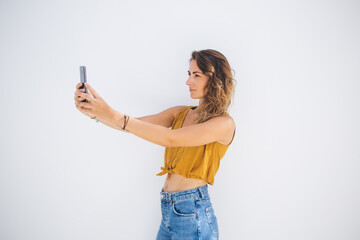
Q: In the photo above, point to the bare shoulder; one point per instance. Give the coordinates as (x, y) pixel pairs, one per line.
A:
(227, 120)
(227, 126)
(231, 122)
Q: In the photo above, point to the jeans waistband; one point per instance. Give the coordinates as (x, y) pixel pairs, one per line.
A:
(199, 192)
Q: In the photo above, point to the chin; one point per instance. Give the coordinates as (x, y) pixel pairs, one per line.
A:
(193, 97)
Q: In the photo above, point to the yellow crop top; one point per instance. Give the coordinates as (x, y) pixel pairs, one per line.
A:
(201, 162)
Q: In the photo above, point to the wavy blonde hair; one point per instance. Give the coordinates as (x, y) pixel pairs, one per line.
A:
(220, 87)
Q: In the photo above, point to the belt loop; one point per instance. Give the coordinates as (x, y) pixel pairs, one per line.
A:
(201, 193)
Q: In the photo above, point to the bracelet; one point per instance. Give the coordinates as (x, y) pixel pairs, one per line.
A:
(94, 118)
(126, 120)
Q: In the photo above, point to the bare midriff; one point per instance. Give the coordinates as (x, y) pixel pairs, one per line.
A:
(176, 182)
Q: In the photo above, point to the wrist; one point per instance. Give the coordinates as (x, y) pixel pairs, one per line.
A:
(117, 117)
(121, 120)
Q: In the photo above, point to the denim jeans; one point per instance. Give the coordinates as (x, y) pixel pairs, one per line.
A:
(187, 215)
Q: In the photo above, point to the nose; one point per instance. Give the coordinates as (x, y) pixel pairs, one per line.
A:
(188, 81)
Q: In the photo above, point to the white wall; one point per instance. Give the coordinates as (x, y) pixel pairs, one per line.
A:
(292, 171)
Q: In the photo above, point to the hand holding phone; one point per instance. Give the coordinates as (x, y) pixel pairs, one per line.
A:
(83, 80)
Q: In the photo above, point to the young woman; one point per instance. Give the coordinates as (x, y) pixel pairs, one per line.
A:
(198, 139)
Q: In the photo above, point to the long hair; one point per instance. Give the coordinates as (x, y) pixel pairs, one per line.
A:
(219, 89)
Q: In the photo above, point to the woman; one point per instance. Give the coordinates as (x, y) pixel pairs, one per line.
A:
(198, 139)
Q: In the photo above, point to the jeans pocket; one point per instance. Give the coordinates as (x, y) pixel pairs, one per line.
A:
(212, 220)
(185, 207)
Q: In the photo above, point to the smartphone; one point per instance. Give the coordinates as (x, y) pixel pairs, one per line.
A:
(83, 80)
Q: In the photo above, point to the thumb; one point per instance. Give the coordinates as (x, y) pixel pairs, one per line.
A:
(92, 91)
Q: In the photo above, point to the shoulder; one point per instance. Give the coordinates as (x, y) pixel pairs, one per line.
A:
(226, 128)
(225, 120)
(225, 124)
(231, 123)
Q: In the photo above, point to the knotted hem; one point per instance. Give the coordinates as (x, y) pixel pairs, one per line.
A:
(164, 170)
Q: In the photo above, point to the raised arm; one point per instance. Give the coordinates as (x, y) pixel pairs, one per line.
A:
(215, 129)
(155, 128)
(164, 118)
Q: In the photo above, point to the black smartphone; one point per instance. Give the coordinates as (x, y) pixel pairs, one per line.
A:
(83, 80)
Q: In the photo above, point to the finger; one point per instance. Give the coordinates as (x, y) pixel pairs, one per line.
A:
(85, 110)
(85, 96)
(80, 91)
(80, 106)
(92, 91)
(84, 105)
(77, 96)
(77, 105)
(78, 85)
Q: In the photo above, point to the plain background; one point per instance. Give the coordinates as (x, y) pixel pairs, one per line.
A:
(292, 171)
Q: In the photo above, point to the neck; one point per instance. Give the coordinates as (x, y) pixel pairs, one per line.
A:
(201, 101)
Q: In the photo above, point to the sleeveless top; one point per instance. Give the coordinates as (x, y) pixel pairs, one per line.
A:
(201, 162)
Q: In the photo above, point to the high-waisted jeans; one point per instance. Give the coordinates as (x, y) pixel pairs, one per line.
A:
(187, 215)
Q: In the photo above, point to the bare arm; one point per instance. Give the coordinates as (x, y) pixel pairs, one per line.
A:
(164, 118)
(212, 130)
(151, 132)
(155, 128)
(110, 124)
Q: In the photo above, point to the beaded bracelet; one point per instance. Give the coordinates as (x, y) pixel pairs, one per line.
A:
(96, 120)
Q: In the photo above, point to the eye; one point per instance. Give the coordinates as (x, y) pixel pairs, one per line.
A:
(195, 75)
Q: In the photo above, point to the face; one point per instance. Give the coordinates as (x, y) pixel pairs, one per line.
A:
(196, 81)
